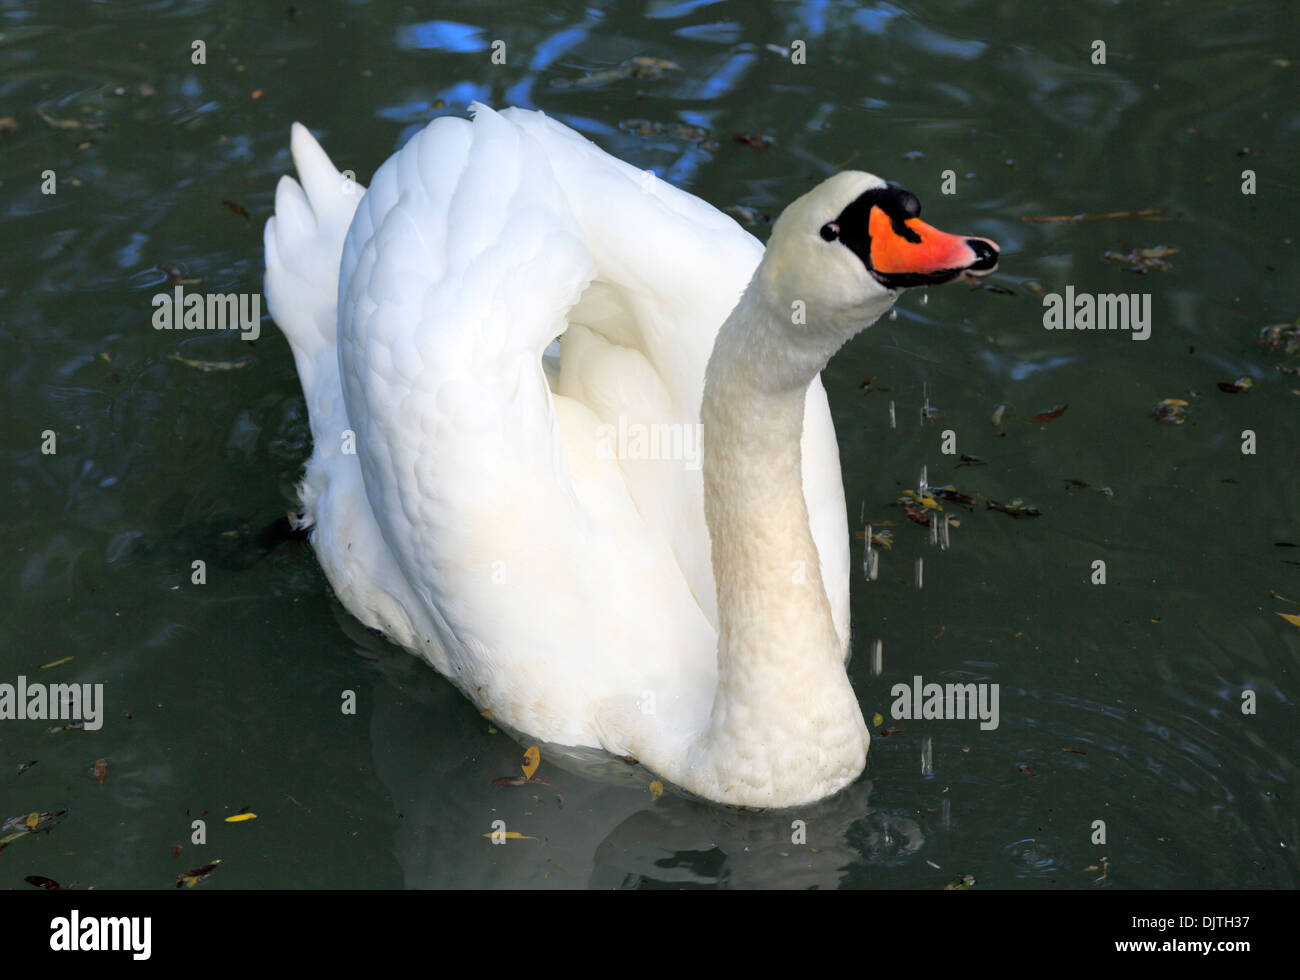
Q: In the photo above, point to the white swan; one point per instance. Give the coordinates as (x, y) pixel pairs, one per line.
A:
(494, 517)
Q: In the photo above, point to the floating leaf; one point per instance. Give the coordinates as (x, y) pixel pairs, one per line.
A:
(32, 820)
(1233, 387)
(886, 732)
(1049, 415)
(1144, 260)
(656, 789)
(640, 68)
(877, 720)
(509, 835)
(210, 366)
(752, 141)
(240, 817)
(176, 850)
(532, 759)
(55, 663)
(192, 877)
(1284, 337)
(100, 769)
(238, 209)
(175, 275)
(960, 883)
(683, 131)
(1170, 410)
(54, 123)
(1291, 618)
(520, 781)
(40, 881)
(24, 766)
(1147, 214)
(1016, 508)
(954, 496)
(1026, 770)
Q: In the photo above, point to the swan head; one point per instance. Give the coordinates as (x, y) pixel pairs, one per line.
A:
(843, 253)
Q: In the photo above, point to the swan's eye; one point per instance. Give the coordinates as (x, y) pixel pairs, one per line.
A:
(830, 231)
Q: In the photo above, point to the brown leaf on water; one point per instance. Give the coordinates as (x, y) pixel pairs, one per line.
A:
(177, 277)
(951, 494)
(55, 123)
(639, 68)
(192, 877)
(1172, 411)
(40, 881)
(238, 209)
(1026, 770)
(1075, 751)
(100, 770)
(520, 781)
(8, 124)
(1052, 413)
(644, 127)
(176, 850)
(886, 732)
(210, 366)
(1284, 337)
(1144, 260)
(1233, 387)
(1146, 214)
(752, 141)
(1016, 508)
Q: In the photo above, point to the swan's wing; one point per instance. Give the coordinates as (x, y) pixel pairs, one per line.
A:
(679, 265)
(547, 591)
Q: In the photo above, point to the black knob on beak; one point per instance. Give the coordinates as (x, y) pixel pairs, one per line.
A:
(986, 253)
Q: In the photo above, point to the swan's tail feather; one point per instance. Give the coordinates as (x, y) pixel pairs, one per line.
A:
(304, 244)
(304, 249)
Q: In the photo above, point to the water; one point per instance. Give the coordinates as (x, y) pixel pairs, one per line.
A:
(1119, 702)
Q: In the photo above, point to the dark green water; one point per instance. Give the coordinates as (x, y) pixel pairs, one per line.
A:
(1119, 702)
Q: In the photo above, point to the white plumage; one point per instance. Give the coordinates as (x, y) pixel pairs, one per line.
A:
(480, 521)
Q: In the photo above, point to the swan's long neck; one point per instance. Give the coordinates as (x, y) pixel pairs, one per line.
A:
(785, 720)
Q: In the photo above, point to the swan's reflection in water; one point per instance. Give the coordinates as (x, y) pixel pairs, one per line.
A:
(596, 824)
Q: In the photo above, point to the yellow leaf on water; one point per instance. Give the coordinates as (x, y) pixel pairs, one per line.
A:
(1291, 618)
(55, 663)
(656, 790)
(32, 820)
(532, 759)
(510, 835)
(241, 817)
(877, 720)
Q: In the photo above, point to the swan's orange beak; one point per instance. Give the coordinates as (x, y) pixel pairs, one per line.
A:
(909, 252)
